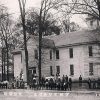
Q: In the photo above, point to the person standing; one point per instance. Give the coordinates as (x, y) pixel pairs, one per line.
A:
(70, 84)
(66, 78)
(94, 84)
(65, 83)
(80, 81)
(89, 83)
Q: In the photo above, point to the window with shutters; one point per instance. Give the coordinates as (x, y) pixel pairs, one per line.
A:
(57, 54)
(21, 57)
(36, 54)
(58, 69)
(34, 70)
(90, 51)
(90, 68)
(71, 52)
(71, 69)
(51, 71)
(50, 54)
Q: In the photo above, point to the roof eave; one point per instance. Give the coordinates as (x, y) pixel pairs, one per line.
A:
(77, 44)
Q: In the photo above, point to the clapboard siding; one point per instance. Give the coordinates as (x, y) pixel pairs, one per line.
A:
(80, 60)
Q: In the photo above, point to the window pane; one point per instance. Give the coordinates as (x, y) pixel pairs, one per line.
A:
(36, 54)
(34, 71)
(71, 52)
(90, 68)
(58, 69)
(50, 54)
(90, 51)
(71, 70)
(51, 71)
(30, 73)
(21, 57)
(57, 54)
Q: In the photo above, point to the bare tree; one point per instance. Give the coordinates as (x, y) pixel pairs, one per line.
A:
(49, 27)
(89, 7)
(46, 6)
(22, 11)
(6, 38)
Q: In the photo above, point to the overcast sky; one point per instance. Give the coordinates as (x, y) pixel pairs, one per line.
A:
(13, 7)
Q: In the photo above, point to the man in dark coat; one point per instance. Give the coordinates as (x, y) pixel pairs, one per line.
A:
(70, 84)
(89, 83)
(66, 78)
(80, 81)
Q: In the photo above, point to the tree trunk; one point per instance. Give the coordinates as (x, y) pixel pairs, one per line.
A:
(25, 47)
(2, 64)
(40, 45)
(22, 10)
(7, 52)
(98, 4)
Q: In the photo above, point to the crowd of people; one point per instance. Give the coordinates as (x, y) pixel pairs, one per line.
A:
(92, 83)
(58, 83)
(64, 83)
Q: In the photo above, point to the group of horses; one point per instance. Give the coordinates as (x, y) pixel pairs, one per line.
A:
(63, 83)
(4, 85)
(53, 84)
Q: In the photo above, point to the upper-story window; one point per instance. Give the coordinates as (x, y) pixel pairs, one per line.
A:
(21, 57)
(71, 69)
(90, 51)
(50, 54)
(71, 52)
(36, 54)
(57, 54)
(90, 68)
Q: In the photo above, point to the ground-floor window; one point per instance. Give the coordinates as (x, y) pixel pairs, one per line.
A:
(71, 69)
(36, 54)
(51, 71)
(34, 70)
(30, 75)
(90, 68)
(58, 69)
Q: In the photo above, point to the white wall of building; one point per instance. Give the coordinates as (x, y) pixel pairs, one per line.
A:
(17, 65)
(93, 24)
(47, 62)
(80, 61)
(65, 61)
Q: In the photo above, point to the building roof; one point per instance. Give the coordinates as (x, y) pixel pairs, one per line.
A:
(73, 38)
(48, 43)
(16, 51)
(68, 39)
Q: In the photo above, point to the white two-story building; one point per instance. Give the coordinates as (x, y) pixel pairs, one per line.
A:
(72, 54)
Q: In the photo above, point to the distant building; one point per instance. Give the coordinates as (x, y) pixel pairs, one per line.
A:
(92, 22)
(72, 54)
